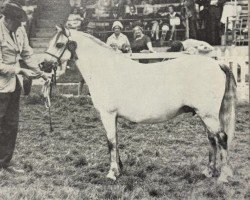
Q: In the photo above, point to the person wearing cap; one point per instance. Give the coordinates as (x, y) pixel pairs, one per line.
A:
(118, 41)
(14, 45)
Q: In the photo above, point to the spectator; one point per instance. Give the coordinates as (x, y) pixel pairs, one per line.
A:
(75, 4)
(86, 15)
(191, 45)
(120, 7)
(174, 20)
(131, 15)
(154, 25)
(74, 20)
(114, 13)
(118, 41)
(127, 6)
(213, 24)
(90, 28)
(141, 42)
(103, 6)
(203, 19)
(190, 17)
(148, 7)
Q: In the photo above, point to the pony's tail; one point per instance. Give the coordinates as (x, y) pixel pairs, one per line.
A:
(228, 105)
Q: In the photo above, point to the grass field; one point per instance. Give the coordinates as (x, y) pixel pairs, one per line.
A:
(162, 161)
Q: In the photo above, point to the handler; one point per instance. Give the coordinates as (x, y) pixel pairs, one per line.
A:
(14, 46)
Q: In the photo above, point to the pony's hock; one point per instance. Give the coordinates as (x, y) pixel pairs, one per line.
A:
(154, 93)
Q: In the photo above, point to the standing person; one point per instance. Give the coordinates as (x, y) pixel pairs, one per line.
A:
(190, 16)
(213, 21)
(118, 41)
(14, 45)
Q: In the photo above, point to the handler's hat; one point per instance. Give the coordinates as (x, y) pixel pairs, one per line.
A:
(117, 23)
(14, 11)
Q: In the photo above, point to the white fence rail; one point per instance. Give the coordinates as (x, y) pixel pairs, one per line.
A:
(238, 60)
(240, 68)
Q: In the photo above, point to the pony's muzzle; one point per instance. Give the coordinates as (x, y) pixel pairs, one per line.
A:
(48, 66)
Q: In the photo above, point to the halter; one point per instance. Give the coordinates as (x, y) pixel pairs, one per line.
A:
(47, 88)
(70, 45)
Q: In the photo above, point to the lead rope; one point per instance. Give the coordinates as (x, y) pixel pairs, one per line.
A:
(47, 92)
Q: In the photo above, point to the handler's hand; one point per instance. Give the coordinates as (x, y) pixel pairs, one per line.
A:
(46, 76)
(28, 73)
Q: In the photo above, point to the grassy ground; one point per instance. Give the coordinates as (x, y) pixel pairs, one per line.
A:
(162, 161)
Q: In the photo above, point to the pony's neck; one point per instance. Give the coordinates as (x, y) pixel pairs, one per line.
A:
(95, 56)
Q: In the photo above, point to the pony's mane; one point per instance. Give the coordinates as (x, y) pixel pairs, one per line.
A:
(97, 41)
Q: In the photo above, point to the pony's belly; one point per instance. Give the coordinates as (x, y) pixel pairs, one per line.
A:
(149, 117)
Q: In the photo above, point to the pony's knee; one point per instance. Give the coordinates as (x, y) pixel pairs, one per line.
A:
(110, 146)
(212, 140)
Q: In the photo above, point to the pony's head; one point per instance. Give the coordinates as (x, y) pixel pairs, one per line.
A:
(61, 50)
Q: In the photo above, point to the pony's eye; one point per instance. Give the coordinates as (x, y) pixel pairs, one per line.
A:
(59, 45)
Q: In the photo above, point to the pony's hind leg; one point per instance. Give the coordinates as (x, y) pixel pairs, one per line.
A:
(109, 123)
(211, 170)
(226, 171)
(212, 126)
(219, 143)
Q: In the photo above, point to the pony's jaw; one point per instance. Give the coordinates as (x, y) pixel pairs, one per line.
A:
(65, 57)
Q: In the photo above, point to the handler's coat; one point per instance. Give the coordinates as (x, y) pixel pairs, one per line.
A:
(11, 51)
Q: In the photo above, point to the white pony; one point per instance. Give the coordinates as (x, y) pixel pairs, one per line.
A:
(154, 93)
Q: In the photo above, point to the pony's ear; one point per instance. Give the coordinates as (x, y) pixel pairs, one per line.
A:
(59, 29)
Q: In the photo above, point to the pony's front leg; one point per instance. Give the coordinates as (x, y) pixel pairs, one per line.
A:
(109, 122)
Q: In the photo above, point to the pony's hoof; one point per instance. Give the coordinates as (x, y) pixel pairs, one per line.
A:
(222, 179)
(111, 176)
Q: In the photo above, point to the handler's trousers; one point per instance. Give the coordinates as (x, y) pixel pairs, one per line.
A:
(9, 117)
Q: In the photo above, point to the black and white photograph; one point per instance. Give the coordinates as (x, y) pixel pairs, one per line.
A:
(124, 100)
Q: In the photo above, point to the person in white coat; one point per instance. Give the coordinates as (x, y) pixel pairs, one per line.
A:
(14, 46)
